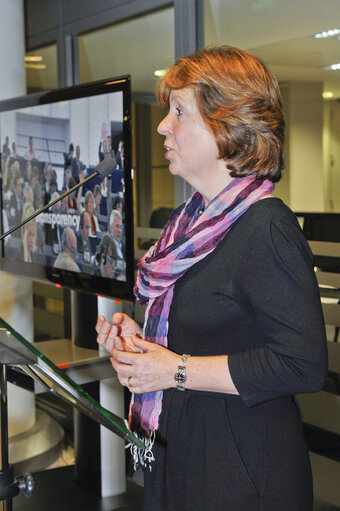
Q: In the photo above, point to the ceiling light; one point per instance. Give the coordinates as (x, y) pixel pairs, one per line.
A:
(327, 95)
(333, 67)
(33, 58)
(160, 72)
(35, 66)
(327, 33)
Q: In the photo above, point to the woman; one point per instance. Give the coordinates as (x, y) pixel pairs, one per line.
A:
(89, 205)
(29, 235)
(230, 282)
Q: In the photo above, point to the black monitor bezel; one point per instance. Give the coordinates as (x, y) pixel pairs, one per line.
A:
(121, 290)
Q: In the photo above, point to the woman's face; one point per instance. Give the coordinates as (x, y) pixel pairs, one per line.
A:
(190, 147)
(90, 205)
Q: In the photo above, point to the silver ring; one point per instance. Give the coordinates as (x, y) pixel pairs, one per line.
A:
(128, 384)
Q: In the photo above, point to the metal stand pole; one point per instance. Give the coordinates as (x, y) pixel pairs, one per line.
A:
(8, 485)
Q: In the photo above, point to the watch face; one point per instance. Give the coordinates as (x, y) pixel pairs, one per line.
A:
(180, 377)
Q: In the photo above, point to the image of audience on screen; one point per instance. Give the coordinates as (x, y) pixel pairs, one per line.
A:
(48, 149)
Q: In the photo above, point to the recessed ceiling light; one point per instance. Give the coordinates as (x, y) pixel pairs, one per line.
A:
(327, 33)
(327, 95)
(33, 58)
(35, 66)
(333, 67)
(159, 72)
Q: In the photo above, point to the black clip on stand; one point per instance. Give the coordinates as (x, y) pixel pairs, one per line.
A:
(9, 485)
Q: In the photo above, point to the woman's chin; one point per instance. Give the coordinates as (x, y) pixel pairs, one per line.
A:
(173, 169)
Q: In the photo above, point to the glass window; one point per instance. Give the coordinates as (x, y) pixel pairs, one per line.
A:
(283, 34)
(41, 69)
(139, 47)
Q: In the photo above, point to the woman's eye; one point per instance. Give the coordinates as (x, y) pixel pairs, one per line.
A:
(178, 111)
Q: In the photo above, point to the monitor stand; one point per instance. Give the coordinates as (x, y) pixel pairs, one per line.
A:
(92, 445)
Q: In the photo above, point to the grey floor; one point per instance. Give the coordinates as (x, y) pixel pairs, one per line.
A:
(321, 506)
(326, 475)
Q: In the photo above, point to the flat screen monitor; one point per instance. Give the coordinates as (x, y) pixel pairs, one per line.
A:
(50, 141)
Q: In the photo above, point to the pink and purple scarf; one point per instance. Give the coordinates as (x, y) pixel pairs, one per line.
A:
(187, 238)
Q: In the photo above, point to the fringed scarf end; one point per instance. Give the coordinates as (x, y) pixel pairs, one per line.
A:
(143, 457)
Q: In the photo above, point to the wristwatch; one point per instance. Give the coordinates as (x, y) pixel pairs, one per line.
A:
(181, 375)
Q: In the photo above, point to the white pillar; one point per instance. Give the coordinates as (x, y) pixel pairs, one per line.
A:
(111, 397)
(304, 138)
(16, 304)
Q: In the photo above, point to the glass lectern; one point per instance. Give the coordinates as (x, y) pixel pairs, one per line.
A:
(16, 352)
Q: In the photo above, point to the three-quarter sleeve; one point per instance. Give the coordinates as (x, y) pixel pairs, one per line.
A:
(279, 288)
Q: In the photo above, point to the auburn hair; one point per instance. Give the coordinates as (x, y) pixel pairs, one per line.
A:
(240, 102)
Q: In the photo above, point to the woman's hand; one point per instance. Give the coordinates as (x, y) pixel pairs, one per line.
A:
(151, 368)
(117, 335)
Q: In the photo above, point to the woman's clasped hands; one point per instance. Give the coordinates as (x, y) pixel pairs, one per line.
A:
(140, 365)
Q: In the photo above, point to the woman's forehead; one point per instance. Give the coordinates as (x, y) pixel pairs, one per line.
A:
(186, 94)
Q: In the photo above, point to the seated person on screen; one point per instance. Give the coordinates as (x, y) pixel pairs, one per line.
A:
(68, 157)
(118, 204)
(83, 241)
(120, 155)
(54, 231)
(103, 187)
(48, 174)
(67, 179)
(28, 172)
(66, 260)
(8, 177)
(16, 201)
(14, 150)
(34, 176)
(116, 232)
(105, 149)
(72, 203)
(97, 200)
(30, 155)
(106, 260)
(28, 236)
(29, 199)
(28, 194)
(37, 196)
(89, 207)
(116, 235)
(77, 165)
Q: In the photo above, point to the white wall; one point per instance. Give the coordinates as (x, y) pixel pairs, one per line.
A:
(304, 132)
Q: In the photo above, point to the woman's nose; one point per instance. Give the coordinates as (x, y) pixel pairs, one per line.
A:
(164, 127)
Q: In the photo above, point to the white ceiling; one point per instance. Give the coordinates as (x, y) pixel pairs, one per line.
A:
(278, 31)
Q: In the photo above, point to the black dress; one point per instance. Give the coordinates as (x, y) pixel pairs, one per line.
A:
(254, 298)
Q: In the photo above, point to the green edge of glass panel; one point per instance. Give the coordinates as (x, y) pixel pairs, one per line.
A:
(73, 384)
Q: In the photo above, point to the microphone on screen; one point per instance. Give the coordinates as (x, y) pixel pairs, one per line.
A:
(106, 167)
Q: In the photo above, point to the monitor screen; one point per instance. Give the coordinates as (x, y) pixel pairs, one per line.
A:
(51, 142)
